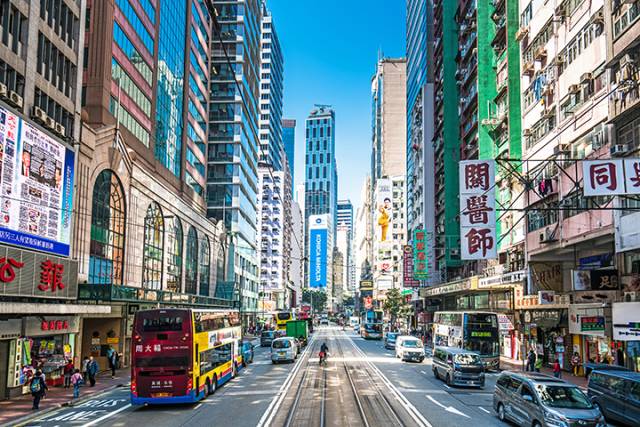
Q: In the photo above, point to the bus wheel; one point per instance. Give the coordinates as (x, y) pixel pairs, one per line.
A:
(214, 386)
(234, 370)
(209, 388)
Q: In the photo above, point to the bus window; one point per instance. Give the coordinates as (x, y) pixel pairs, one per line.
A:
(163, 321)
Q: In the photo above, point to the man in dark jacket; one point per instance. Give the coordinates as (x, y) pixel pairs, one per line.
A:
(38, 388)
(92, 370)
(531, 360)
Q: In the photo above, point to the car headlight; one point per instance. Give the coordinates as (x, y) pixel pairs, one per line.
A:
(553, 420)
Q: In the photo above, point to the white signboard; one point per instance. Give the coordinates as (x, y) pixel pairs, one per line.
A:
(477, 208)
(603, 177)
(626, 321)
(632, 176)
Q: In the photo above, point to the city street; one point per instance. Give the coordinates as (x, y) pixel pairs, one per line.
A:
(389, 392)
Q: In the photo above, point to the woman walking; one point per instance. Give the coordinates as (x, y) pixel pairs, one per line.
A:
(76, 380)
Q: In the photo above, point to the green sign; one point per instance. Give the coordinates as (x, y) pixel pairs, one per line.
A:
(420, 260)
(481, 334)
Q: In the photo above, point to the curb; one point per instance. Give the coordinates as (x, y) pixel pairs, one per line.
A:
(70, 403)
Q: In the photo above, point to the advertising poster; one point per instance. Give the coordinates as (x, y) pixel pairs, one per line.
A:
(318, 251)
(407, 268)
(36, 187)
(384, 210)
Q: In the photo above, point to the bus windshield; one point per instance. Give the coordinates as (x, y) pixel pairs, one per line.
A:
(481, 334)
(373, 327)
(284, 316)
(163, 321)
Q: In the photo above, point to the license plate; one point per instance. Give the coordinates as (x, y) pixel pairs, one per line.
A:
(160, 394)
(282, 353)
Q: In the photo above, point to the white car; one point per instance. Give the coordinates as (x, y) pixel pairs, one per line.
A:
(284, 349)
(409, 348)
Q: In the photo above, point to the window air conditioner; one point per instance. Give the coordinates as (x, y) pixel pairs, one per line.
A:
(15, 99)
(38, 114)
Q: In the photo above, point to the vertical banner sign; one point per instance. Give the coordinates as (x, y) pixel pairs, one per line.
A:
(318, 251)
(407, 268)
(420, 264)
(478, 209)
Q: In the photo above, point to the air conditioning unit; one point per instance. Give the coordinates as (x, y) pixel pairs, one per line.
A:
(527, 68)
(559, 59)
(548, 112)
(626, 60)
(547, 89)
(561, 149)
(540, 52)
(586, 78)
(60, 129)
(547, 236)
(522, 33)
(15, 99)
(598, 18)
(527, 132)
(3, 90)
(38, 114)
(631, 296)
(619, 149)
(50, 123)
(574, 89)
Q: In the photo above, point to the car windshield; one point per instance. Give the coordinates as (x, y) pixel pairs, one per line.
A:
(468, 359)
(392, 336)
(558, 396)
(412, 344)
(281, 344)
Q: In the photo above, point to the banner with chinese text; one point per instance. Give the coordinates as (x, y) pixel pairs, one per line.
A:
(407, 268)
(609, 177)
(420, 255)
(478, 209)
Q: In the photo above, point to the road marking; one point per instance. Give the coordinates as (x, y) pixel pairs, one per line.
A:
(447, 386)
(482, 409)
(109, 415)
(447, 408)
(423, 372)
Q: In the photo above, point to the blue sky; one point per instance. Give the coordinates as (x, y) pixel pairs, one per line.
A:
(330, 50)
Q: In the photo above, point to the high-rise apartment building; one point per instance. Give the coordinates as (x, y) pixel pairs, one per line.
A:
(289, 140)
(233, 143)
(271, 94)
(363, 230)
(345, 243)
(296, 273)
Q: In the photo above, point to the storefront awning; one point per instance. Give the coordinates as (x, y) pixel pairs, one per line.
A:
(42, 308)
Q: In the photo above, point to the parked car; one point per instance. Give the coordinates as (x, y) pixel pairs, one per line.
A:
(617, 394)
(390, 340)
(409, 348)
(266, 338)
(589, 367)
(533, 399)
(458, 367)
(356, 329)
(284, 349)
(247, 353)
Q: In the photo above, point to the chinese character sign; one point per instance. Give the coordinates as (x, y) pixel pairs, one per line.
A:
(407, 267)
(603, 177)
(420, 255)
(478, 209)
(632, 176)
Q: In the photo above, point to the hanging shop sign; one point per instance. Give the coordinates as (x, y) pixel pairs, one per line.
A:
(502, 281)
(546, 276)
(30, 274)
(523, 302)
(596, 261)
(592, 324)
(586, 297)
(407, 268)
(478, 210)
(366, 285)
(587, 319)
(420, 255)
(608, 177)
(505, 322)
(462, 285)
(626, 321)
(51, 325)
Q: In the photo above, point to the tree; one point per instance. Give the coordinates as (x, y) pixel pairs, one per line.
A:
(393, 304)
(319, 299)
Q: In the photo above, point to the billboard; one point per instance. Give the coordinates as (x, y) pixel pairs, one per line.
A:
(478, 209)
(420, 255)
(36, 187)
(383, 210)
(407, 268)
(318, 242)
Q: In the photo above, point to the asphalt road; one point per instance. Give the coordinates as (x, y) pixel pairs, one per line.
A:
(362, 385)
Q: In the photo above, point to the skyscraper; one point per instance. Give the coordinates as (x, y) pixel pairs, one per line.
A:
(271, 91)
(289, 138)
(233, 144)
(345, 242)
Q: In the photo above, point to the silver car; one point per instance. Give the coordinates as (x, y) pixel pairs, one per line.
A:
(532, 399)
(284, 350)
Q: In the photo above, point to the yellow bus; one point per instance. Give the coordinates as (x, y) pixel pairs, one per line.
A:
(282, 318)
(181, 355)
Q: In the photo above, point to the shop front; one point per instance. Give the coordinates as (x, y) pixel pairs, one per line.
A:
(626, 333)
(590, 325)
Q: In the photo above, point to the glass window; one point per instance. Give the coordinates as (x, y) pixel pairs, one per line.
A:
(191, 268)
(204, 266)
(106, 250)
(174, 256)
(129, 12)
(132, 53)
(153, 250)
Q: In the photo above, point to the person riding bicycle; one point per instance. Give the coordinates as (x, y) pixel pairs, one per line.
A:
(324, 349)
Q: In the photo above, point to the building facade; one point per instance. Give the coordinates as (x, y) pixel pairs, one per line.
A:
(289, 141)
(296, 273)
(345, 223)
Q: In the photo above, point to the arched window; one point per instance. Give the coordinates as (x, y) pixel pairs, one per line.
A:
(204, 266)
(174, 256)
(153, 250)
(191, 262)
(108, 214)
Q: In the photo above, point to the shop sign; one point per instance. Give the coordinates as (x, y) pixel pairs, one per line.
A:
(546, 297)
(420, 254)
(10, 328)
(54, 325)
(54, 277)
(596, 261)
(592, 323)
(51, 325)
(533, 301)
(113, 340)
(546, 275)
(587, 319)
(407, 268)
(368, 302)
(626, 321)
(505, 323)
(586, 297)
(366, 285)
(608, 177)
(462, 285)
(502, 281)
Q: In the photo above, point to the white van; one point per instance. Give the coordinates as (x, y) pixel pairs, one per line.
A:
(409, 348)
(284, 349)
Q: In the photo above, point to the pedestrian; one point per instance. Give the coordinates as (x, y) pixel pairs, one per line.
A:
(77, 381)
(92, 370)
(113, 361)
(531, 360)
(575, 363)
(85, 368)
(68, 371)
(538, 364)
(38, 387)
(557, 371)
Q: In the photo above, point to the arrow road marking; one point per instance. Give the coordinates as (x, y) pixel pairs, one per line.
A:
(447, 408)
(481, 408)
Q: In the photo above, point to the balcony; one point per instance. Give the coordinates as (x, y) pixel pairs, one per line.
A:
(109, 293)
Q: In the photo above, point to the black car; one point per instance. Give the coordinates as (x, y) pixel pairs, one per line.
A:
(266, 338)
(617, 394)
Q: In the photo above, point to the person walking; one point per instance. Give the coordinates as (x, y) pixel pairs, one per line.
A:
(77, 381)
(557, 371)
(85, 369)
(38, 387)
(68, 372)
(92, 371)
(531, 360)
(575, 363)
(538, 364)
(113, 361)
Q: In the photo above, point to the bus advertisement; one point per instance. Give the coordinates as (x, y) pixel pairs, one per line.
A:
(371, 324)
(472, 330)
(182, 355)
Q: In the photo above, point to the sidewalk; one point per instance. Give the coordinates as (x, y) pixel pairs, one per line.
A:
(516, 365)
(14, 410)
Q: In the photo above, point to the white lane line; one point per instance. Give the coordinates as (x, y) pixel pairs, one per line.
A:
(423, 372)
(482, 409)
(109, 415)
(197, 406)
(447, 408)
(447, 386)
(404, 402)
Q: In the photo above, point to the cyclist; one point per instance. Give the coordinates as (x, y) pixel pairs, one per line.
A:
(324, 350)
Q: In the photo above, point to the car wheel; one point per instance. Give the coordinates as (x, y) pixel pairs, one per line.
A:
(501, 415)
(448, 379)
(536, 424)
(435, 373)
